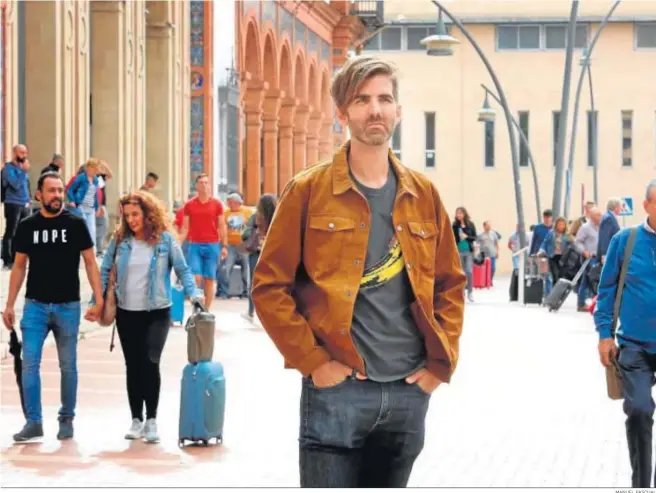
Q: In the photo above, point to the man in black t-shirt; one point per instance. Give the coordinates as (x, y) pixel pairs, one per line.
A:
(52, 241)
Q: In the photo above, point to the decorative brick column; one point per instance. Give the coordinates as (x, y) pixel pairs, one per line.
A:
(286, 142)
(326, 138)
(270, 119)
(253, 148)
(314, 127)
(300, 137)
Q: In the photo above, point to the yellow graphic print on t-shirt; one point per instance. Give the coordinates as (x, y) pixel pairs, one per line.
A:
(385, 269)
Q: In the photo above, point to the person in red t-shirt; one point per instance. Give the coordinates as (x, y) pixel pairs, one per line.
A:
(204, 227)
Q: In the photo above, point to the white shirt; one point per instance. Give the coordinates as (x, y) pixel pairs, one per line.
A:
(136, 284)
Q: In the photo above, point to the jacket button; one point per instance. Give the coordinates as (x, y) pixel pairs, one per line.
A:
(363, 225)
(422, 233)
(399, 228)
(408, 266)
(343, 332)
(356, 262)
(348, 293)
(331, 226)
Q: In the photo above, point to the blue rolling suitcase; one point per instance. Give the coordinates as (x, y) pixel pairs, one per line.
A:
(202, 403)
(177, 303)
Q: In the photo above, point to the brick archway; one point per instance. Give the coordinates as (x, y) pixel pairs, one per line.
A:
(287, 115)
(302, 113)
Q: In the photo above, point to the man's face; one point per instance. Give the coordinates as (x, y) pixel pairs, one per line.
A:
(203, 186)
(588, 209)
(20, 154)
(151, 182)
(373, 113)
(617, 209)
(595, 216)
(548, 221)
(233, 204)
(650, 208)
(52, 195)
(487, 227)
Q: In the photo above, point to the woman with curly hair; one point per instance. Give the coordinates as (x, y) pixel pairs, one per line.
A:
(143, 251)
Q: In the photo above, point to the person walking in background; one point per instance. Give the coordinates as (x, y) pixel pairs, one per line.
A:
(102, 217)
(514, 246)
(15, 189)
(83, 193)
(236, 216)
(51, 241)
(608, 227)
(489, 243)
(464, 232)
(205, 227)
(636, 335)
(56, 165)
(150, 183)
(254, 236)
(586, 244)
(552, 248)
(541, 231)
(143, 252)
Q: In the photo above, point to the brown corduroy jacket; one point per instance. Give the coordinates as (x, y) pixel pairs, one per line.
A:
(309, 271)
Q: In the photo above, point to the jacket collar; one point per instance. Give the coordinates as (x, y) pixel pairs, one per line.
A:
(342, 178)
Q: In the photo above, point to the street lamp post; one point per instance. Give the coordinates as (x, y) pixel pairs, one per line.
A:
(524, 140)
(585, 68)
(440, 44)
(564, 110)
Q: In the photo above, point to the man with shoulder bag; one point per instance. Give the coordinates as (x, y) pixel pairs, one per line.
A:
(627, 293)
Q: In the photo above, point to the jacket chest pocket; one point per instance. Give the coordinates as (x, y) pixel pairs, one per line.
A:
(325, 239)
(423, 235)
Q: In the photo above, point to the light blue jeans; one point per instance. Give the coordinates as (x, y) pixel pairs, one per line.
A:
(89, 217)
(38, 319)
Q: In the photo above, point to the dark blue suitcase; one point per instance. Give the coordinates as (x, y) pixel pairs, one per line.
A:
(177, 303)
(202, 403)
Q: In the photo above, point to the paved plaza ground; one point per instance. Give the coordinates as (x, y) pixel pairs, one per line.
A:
(526, 407)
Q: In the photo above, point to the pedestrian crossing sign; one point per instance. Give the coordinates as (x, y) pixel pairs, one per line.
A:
(627, 206)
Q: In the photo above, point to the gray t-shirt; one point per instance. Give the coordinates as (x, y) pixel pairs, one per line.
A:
(383, 329)
(136, 284)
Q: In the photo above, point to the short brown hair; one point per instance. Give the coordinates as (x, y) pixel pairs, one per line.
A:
(356, 71)
(200, 176)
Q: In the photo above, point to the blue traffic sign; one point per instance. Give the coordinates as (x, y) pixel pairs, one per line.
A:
(627, 206)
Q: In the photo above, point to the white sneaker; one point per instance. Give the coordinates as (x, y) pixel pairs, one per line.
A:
(136, 430)
(247, 317)
(150, 431)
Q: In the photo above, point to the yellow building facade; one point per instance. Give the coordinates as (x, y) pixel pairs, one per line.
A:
(100, 78)
(470, 162)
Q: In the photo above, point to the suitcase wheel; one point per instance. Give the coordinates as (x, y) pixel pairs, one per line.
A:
(181, 442)
(205, 443)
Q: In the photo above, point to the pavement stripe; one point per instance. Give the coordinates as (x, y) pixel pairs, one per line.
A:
(15, 455)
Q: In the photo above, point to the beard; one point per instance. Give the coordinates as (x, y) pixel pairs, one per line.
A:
(372, 136)
(54, 206)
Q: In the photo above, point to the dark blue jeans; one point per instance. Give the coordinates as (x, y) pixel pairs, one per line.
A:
(360, 433)
(637, 367)
(38, 319)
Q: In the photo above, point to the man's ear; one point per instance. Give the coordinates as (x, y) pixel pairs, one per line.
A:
(38, 195)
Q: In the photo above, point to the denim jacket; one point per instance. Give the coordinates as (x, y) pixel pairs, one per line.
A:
(78, 190)
(549, 244)
(16, 182)
(167, 255)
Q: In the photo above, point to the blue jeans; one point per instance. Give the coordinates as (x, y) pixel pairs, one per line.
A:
(584, 286)
(252, 262)
(637, 367)
(38, 319)
(234, 257)
(493, 264)
(90, 219)
(203, 259)
(360, 433)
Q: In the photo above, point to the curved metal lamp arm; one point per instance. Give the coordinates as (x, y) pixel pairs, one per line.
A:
(584, 69)
(595, 169)
(511, 133)
(522, 136)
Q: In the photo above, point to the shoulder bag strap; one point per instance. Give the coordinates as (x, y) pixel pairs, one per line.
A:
(628, 249)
